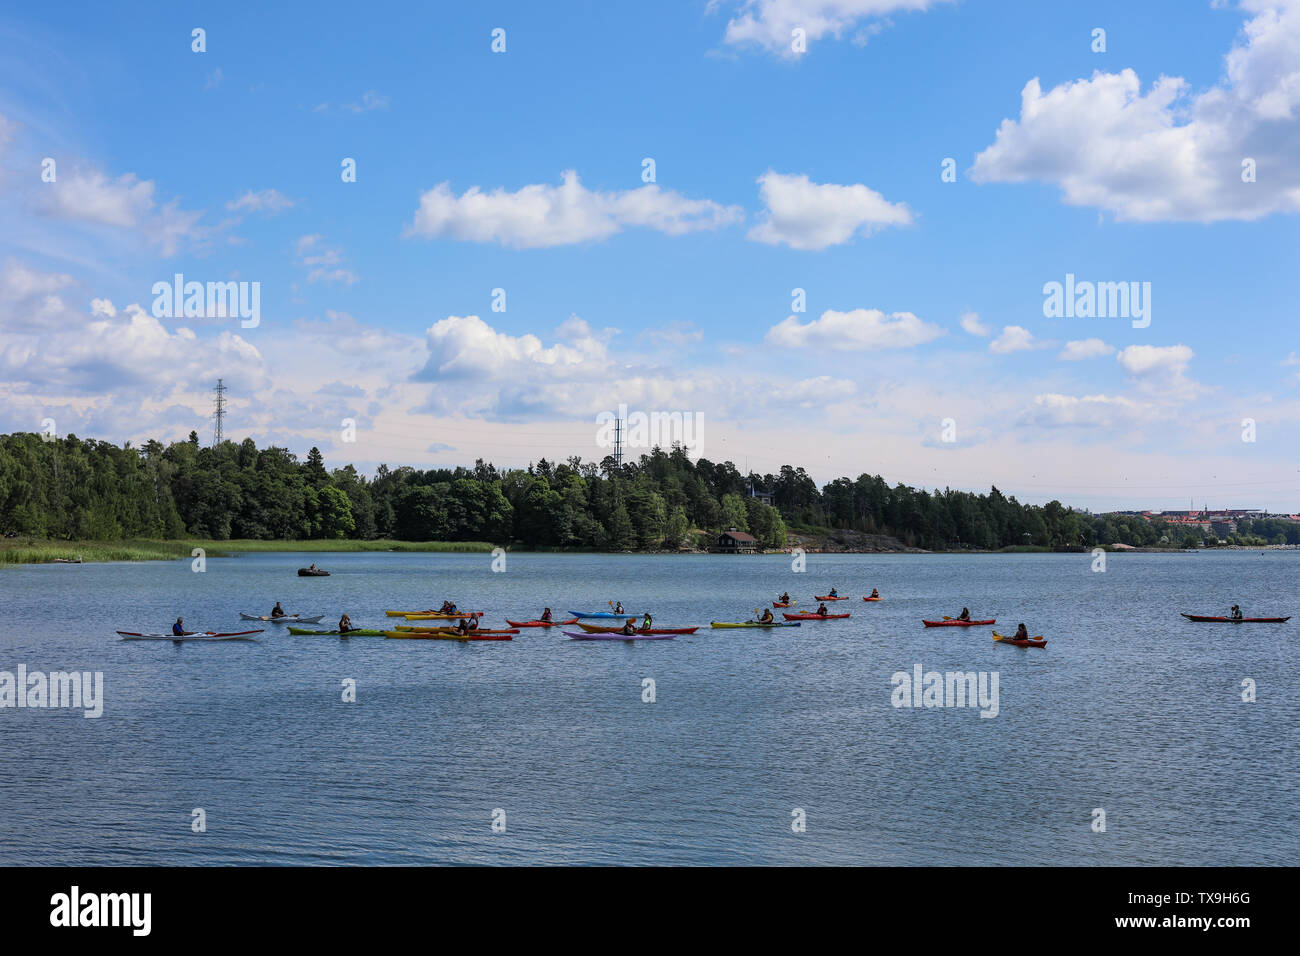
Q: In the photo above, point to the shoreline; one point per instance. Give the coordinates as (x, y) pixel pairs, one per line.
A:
(23, 551)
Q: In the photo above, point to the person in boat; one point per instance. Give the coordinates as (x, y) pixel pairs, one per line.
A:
(1236, 613)
(1021, 633)
(345, 624)
(451, 607)
(875, 593)
(964, 615)
(178, 628)
(618, 607)
(312, 568)
(471, 623)
(834, 593)
(546, 615)
(784, 598)
(463, 625)
(821, 609)
(278, 611)
(648, 623)
(766, 617)
(629, 627)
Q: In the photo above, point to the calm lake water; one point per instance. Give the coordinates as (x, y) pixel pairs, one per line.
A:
(1129, 709)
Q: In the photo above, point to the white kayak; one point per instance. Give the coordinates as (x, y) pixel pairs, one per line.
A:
(191, 636)
(286, 619)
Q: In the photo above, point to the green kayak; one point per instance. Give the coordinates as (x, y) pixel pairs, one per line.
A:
(751, 624)
(355, 632)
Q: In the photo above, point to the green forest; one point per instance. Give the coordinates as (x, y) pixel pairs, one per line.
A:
(80, 489)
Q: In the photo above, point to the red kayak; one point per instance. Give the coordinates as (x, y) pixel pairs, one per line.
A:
(1020, 642)
(811, 617)
(596, 629)
(1202, 618)
(873, 599)
(572, 620)
(827, 597)
(779, 604)
(953, 622)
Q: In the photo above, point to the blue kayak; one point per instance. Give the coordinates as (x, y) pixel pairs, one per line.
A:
(610, 614)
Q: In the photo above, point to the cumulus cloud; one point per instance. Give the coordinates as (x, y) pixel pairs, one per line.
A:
(970, 321)
(769, 23)
(1052, 410)
(89, 196)
(1155, 359)
(807, 215)
(1168, 154)
(1014, 338)
(323, 264)
(1081, 349)
(541, 215)
(858, 329)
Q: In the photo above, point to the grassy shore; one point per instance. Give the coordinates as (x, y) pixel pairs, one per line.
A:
(39, 551)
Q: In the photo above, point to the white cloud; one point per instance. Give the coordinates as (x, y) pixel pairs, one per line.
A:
(858, 329)
(18, 283)
(769, 23)
(807, 215)
(1014, 338)
(465, 347)
(970, 321)
(1081, 349)
(541, 215)
(88, 196)
(1053, 410)
(1168, 155)
(323, 264)
(267, 200)
(1155, 359)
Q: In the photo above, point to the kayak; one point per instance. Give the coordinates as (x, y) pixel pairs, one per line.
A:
(623, 616)
(572, 620)
(953, 622)
(442, 636)
(811, 617)
(827, 597)
(872, 599)
(752, 624)
(285, 619)
(190, 636)
(584, 636)
(439, 616)
(355, 632)
(605, 629)
(434, 614)
(455, 630)
(309, 573)
(1204, 618)
(1032, 642)
(781, 604)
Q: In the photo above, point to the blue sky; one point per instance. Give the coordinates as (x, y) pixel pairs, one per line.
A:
(774, 170)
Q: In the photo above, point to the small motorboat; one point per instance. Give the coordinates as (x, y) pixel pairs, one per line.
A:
(312, 573)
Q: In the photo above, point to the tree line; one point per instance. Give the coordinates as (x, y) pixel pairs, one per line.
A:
(77, 489)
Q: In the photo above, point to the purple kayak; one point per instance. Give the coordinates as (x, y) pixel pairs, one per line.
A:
(584, 636)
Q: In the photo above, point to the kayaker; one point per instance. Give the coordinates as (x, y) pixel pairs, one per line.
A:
(821, 609)
(629, 627)
(1021, 633)
(345, 624)
(767, 616)
(178, 629)
(278, 611)
(618, 608)
(471, 623)
(834, 593)
(1236, 613)
(648, 622)
(463, 625)
(546, 615)
(875, 593)
(784, 598)
(965, 615)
